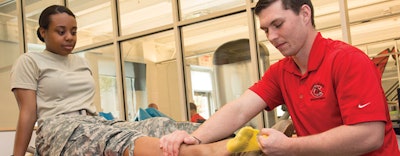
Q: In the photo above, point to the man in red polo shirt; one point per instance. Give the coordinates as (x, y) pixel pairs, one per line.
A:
(332, 91)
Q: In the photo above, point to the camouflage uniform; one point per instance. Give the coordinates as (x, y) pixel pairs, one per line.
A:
(94, 135)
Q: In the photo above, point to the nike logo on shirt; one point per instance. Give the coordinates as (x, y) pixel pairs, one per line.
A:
(363, 105)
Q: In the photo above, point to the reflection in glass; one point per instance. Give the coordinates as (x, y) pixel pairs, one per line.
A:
(326, 14)
(202, 90)
(151, 74)
(32, 12)
(195, 8)
(9, 53)
(374, 21)
(94, 20)
(374, 31)
(135, 77)
(219, 49)
(364, 11)
(142, 15)
(232, 63)
(102, 63)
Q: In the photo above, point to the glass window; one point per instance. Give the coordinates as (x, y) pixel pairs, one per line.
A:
(375, 31)
(364, 11)
(202, 91)
(140, 15)
(102, 63)
(9, 53)
(218, 53)
(151, 74)
(195, 8)
(32, 12)
(94, 19)
(374, 21)
(327, 18)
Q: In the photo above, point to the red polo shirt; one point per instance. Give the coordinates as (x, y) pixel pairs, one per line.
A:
(341, 87)
(197, 118)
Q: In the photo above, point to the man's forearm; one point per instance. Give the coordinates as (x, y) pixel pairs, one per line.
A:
(343, 140)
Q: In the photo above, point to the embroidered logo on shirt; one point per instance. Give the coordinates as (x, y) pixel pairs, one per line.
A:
(316, 90)
(363, 105)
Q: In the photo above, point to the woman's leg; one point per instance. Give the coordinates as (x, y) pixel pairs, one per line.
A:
(145, 146)
(158, 126)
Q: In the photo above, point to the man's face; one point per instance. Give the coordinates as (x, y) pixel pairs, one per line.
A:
(284, 29)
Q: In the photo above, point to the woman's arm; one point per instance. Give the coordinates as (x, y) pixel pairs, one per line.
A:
(26, 100)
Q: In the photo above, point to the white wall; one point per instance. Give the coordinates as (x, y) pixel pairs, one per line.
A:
(7, 142)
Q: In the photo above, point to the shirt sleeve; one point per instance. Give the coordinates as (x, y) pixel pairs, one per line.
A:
(268, 88)
(358, 88)
(24, 73)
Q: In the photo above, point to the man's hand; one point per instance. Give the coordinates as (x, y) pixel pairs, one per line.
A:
(170, 143)
(275, 144)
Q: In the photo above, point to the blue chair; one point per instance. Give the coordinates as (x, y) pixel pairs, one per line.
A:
(142, 115)
(108, 115)
(155, 113)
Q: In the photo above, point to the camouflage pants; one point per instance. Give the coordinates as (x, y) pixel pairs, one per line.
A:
(93, 135)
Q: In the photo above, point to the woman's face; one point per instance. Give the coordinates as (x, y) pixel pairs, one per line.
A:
(60, 37)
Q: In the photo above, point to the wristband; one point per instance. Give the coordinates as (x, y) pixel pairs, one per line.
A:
(197, 139)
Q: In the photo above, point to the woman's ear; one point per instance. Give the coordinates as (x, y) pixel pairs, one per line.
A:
(42, 32)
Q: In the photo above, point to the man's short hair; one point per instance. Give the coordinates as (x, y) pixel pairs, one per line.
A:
(294, 5)
(192, 106)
